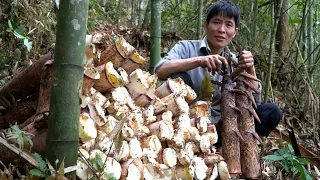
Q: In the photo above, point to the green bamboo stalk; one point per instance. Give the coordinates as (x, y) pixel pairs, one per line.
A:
(271, 49)
(199, 22)
(310, 37)
(118, 12)
(255, 15)
(146, 17)
(155, 33)
(63, 125)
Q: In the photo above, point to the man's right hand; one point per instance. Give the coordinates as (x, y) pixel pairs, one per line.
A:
(213, 62)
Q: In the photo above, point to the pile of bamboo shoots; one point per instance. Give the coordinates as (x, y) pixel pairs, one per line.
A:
(139, 129)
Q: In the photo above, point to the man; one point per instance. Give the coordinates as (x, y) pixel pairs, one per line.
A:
(190, 59)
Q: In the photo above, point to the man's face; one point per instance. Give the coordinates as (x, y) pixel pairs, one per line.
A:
(220, 31)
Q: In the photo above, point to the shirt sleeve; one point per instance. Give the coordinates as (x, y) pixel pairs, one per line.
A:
(179, 51)
(257, 96)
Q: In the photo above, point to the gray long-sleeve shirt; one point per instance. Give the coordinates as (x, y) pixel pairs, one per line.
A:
(194, 48)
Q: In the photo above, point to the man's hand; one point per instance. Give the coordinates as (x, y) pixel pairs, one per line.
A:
(213, 62)
(246, 61)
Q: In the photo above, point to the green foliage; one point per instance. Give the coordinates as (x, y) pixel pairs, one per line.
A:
(289, 162)
(22, 138)
(101, 168)
(43, 170)
(18, 33)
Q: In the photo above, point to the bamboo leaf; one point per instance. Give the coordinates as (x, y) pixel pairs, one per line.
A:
(206, 89)
(37, 172)
(273, 158)
(42, 163)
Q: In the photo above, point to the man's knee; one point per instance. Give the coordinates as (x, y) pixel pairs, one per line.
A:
(270, 116)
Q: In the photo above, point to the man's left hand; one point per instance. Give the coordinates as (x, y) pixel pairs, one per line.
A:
(246, 61)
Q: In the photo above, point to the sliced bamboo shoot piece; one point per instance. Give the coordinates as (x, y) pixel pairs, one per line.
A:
(182, 121)
(205, 143)
(199, 109)
(88, 145)
(176, 104)
(194, 134)
(121, 95)
(135, 170)
(83, 171)
(127, 132)
(149, 115)
(200, 123)
(176, 86)
(138, 83)
(135, 148)
(111, 122)
(136, 57)
(152, 142)
(150, 172)
(113, 167)
(124, 152)
(213, 158)
(186, 154)
(223, 170)
(200, 168)
(212, 133)
(169, 157)
(124, 48)
(182, 172)
(113, 76)
(87, 129)
(191, 94)
(110, 54)
(149, 156)
(163, 129)
(97, 113)
(214, 174)
(103, 143)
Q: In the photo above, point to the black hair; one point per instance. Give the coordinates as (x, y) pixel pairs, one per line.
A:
(224, 7)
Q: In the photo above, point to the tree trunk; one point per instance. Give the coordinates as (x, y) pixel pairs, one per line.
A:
(155, 33)
(305, 32)
(271, 50)
(282, 36)
(199, 22)
(63, 125)
(310, 36)
(133, 21)
(140, 7)
(255, 15)
(229, 127)
(119, 15)
(146, 16)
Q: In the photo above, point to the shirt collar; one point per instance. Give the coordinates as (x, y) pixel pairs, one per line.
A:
(206, 49)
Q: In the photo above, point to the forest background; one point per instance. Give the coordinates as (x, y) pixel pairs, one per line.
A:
(283, 35)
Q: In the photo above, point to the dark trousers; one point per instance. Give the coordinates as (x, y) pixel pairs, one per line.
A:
(269, 114)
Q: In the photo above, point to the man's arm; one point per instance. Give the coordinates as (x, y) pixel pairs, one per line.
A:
(212, 62)
(174, 66)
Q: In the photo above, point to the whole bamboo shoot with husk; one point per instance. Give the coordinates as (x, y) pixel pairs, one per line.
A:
(229, 126)
(248, 147)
